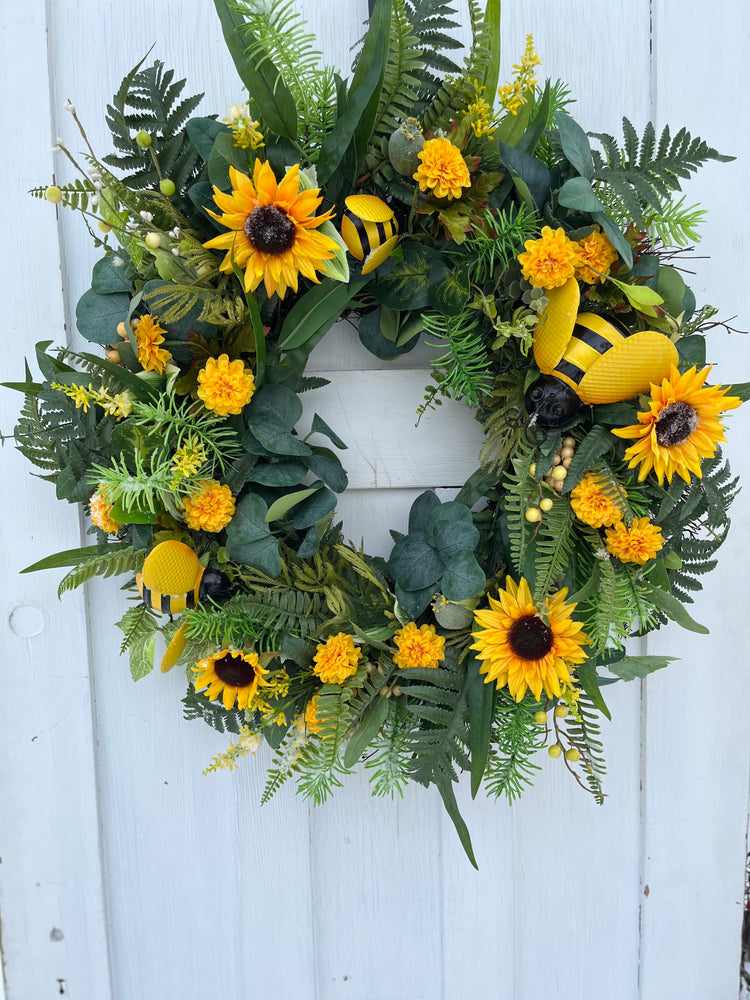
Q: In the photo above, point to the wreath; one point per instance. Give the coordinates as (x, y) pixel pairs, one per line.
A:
(539, 262)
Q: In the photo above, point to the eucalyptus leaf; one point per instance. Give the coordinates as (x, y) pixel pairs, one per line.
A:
(462, 577)
(414, 564)
(98, 316)
(575, 145)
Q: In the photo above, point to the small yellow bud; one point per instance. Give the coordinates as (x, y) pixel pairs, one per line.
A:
(540, 717)
(143, 139)
(547, 504)
(555, 751)
(533, 514)
(569, 442)
(532, 469)
(561, 711)
(559, 473)
(113, 355)
(103, 227)
(167, 187)
(53, 194)
(153, 241)
(573, 755)
(121, 331)
(567, 452)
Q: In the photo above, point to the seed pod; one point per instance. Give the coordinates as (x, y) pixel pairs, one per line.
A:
(404, 147)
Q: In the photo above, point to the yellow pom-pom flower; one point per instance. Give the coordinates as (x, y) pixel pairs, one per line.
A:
(210, 507)
(595, 254)
(234, 675)
(442, 169)
(680, 427)
(225, 386)
(148, 336)
(518, 648)
(418, 646)
(549, 261)
(100, 512)
(637, 544)
(336, 659)
(592, 505)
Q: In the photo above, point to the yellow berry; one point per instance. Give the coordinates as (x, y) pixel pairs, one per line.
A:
(103, 227)
(532, 469)
(566, 463)
(113, 355)
(547, 503)
(569, 442)
(153, 241)
(555, 751)
(533, 514)
(573, 754)
(540, 717)
(559, 473)
(556, 460)
(143, 139)
(561, 711)
(121, 331)
(567, 452)
(53, 194)
(167, 187)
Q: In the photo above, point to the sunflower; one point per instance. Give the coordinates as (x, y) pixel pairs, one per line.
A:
(271, 223)
(680, 428)
(592, 505)
(336, 659)
(636, 544)
(522, 650)
(232, 674)
(148, 336)
(549, 261)
(225, 386)
(442, 169)
(210, 508)
(418, 646)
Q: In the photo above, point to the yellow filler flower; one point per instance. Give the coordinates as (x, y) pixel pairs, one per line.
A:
(592, 505)
(680, 428)
(442, 170)
(271, 225)
(418, 647)
(148, 336)
(210, 507)
(336, 659)
(234, 675)
(518, 648)
(101, 514)
(225, 386)
(549, 261)
(637, 544)
(595, 254)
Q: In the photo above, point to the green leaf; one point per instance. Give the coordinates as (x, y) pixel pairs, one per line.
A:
(692, 351)
(641, 297)
(316, 310)
(671, 286)
(373, 718)
(481, 709)
(414, 564)
(422, 510)
(319, 426)
(330, 471)
(249, 539)
(106, 279)
(72, 557)
(413, 602)
(578, 194)
(276, 438)
(223, 156)
(450, 530)
(597, 443)
(281, 507)
(586, 674)
(615, 237)
(462, 577)
(476, 486)
(445, 787)
(671, 606)
(276, 402)
(530, 171)
(407, 284)
(741, 390)
(263, 81)
(314, 509)
(451, 295)
(97, 316)
(492, 30)
(202, 132)
(287, 472)
(630, 668)
(575, 145)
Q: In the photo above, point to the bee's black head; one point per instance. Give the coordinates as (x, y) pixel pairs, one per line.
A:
(551, 401)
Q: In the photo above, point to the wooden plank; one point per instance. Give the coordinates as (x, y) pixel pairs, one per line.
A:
(698, 730)
(51, 900)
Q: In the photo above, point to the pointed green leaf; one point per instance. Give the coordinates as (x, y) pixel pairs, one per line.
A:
(481, 709)
(445, 787)
(373, 718)
(316, 310)
(575, 145)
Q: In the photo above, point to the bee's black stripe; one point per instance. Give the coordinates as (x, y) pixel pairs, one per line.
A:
(382, 233)
(595, 340)
(166, 601)
(364, 239)
(190, 599)
(571, 371)
(146, 596)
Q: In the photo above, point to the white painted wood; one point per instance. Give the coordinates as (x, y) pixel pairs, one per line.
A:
(51, 901)
(207, 894)
(697, 731)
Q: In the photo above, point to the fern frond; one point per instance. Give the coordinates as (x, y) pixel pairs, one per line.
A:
(390, 754)
(583, 729)
(439, 706)
(197, 706)
(105, 564)
(516, 737)
(554, 549)
(676, 224)
(76, 195)
(464, 371)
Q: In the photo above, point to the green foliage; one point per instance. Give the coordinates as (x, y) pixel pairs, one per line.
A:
(501, 421)
(139, 626)
(642, 172)
(107, 563)
(285, 762)
(463, 371)
(150, 100)
(516, 738)
(676, 224)
(519, 488)
(497, 242)
(197, 706)
(176, 421)
(390, 753)
(76, 195)
(258, 617)
(583, 729)
(554, 547)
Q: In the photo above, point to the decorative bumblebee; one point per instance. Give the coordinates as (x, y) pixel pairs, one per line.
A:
(172, 580)
(369, 229)
(590, 359)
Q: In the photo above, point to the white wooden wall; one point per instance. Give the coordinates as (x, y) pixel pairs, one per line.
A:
(125, 874)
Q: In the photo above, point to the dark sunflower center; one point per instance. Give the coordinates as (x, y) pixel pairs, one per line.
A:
(530, 638)
(234, 671)
(675, 424)
(269, 229)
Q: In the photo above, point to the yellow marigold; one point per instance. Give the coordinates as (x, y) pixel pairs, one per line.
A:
(312, 722)
(549, 261)
(592, 505)
(210, 507)
(442, 169)
(418, 647)
(595, 253)
(148, 336)
(225, 386)
(336, 659)
(100, 512)
(637, 544)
